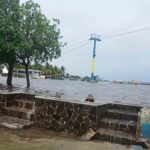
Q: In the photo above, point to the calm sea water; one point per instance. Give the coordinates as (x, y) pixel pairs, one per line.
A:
(77, 90)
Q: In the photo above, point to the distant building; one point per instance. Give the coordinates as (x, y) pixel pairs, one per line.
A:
(77, 78)
(4, 71)
(32, 73)
(132, 82)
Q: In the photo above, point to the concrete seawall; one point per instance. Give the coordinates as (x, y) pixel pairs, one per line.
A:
(117, 123)
(66, 116)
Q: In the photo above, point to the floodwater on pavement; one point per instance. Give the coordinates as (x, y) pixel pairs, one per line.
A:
(39, 139)
(77, 90)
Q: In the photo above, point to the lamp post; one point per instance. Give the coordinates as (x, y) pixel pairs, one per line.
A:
(94, 38)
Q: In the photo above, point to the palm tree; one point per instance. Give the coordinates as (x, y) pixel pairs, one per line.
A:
(62, 70)
(55, 72)
(67, 75)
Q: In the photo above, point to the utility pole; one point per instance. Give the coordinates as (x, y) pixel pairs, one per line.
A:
(95, 38)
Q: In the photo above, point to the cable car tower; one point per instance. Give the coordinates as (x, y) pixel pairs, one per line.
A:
(95, 38)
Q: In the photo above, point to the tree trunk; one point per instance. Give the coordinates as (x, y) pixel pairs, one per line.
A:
(10, 74)
(27, 75)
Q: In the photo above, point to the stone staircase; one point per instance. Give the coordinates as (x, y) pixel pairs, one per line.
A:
(120, 124)
(18, 115)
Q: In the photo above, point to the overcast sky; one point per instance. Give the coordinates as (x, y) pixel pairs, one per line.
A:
(125, 57)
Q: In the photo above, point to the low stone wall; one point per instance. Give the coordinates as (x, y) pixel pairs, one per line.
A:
(76, 117)
(66, 116)
(71, 117)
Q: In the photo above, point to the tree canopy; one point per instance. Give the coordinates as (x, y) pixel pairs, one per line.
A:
(26, 35)
(10, 36)
(41, 38)
(9, 29)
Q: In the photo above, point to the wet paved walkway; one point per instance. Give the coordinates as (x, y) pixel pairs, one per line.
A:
(37, 139)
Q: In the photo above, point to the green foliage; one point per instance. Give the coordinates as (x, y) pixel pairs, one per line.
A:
(10, 36)
(62, 70)
(26, 35)
(86, 78)
(40, 36)
(67, 75)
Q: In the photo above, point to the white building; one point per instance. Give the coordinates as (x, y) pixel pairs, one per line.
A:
(32, 73)
(5, 71)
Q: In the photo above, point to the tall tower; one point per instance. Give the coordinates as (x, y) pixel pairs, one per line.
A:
(95, 38)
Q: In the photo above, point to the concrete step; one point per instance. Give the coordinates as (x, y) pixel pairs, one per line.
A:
(126, 107)
(27, 104)
(127, 126)
(21, 113)
(15, 123)
(121, 114)
(112, 136)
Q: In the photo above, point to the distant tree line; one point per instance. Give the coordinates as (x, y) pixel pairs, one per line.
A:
(27, 36)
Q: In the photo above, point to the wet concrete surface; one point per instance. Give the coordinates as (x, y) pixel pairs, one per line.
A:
(39, 139)
(14, 123)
